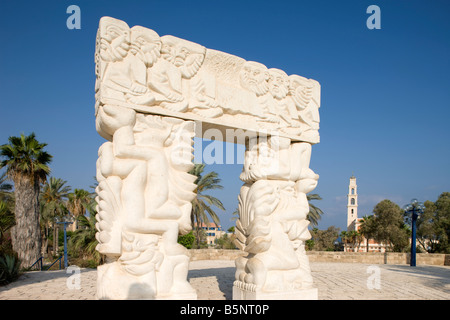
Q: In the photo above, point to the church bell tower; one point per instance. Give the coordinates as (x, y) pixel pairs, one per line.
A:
(352, 205)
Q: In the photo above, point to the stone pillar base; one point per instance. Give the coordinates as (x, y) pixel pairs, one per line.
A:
(114, 284)
(244, 291)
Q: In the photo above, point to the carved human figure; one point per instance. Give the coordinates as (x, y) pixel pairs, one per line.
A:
(148, 209)
(279, 88)
(180, 60)
(144, 52)
(306, 96)
(128, 55)
(265, 158)
(254, 77)
(112, 45)
(113, 39)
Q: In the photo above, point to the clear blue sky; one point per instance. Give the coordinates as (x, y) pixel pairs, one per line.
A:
(385, 93)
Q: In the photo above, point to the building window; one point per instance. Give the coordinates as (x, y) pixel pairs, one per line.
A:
(353, 190)
(352, 201)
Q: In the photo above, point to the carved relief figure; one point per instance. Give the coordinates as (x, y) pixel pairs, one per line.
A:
(137, 68)
(150, 211)
(180, 60)
(113, 39)
(128, 54)
(112, 45)
(279, 88)
(144, 52)
(306, 96)
(254, 76)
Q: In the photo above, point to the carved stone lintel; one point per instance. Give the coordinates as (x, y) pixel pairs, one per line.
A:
(138, 69)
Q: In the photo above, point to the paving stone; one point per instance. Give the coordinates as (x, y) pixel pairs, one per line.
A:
(213, 280)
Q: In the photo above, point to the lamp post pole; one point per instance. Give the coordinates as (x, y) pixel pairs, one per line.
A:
(65, 223)
(413, 238)
(414, 208)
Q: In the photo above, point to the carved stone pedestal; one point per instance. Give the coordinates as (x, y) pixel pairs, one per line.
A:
(243, 291)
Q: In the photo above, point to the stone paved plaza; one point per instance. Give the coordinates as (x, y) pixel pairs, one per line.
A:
(213, 280)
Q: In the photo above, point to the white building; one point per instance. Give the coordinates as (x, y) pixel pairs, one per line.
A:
(212, 231)
(353, 224)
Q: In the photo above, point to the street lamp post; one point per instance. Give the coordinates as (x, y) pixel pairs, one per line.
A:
(66, 220)
(415, 208)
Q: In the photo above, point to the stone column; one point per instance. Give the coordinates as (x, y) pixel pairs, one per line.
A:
(272, 225)
(144, 202)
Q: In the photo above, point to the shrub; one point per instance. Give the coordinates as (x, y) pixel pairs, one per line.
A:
(9, 269)
(187, 240)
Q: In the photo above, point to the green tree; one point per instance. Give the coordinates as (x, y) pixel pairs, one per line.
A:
(226, 242)
(26, 165)
(323, 240)
(83, 241)
(7, 220)
(7, 197)
(53, 200)
(202, 203)
(5, 188)
(79, 202)
(442, 222)
(433, 226)
(314, 213)
(367, 229)
(351, 237)
(187, 240)
(389, 227)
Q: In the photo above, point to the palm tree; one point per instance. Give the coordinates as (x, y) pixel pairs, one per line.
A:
(201, 205)
(83, 240)
(366, 229)
(351, 237)
(53, 199)
(26, 164)
(315, 213)
(80, 201)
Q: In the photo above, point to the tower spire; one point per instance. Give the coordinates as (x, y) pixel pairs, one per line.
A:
(352, 205)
